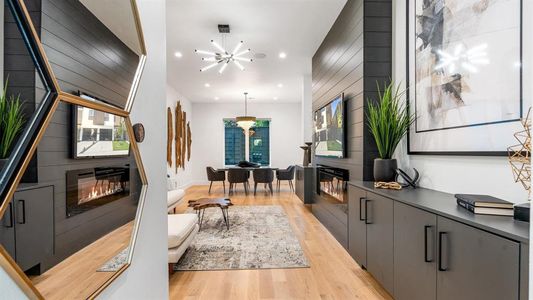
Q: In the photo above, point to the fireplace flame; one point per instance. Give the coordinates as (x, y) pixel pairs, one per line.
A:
(101, 190)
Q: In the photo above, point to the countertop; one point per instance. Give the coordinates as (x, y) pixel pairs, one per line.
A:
(444, 204)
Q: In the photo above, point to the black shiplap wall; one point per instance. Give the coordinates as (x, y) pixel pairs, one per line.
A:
(84, 54)
(353, 56)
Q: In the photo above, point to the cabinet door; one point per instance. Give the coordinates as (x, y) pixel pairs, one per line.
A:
(379, 239)
(356, 225)
(7, 231)
(34, 228)
(415, 245)
(474, 264)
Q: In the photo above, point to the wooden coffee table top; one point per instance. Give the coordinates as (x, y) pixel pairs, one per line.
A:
(210, 202)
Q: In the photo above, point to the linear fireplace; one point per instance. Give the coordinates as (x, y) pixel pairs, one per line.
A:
(91, 188)
(332, 184)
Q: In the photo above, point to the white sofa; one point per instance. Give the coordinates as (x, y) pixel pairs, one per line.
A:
(182, 229)
(174, 198)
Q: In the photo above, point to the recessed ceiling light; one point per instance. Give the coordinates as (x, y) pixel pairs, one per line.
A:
(280, 85)
(207, 85)
(216, 98)
(275, 98)
(178, 54)
(282, 55)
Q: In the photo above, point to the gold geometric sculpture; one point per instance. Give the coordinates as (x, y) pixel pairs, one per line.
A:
(183, 139)
(520, 155)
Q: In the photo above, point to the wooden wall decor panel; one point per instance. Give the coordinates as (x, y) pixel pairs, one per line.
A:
(177, 136)
(170, 136)
(189, 141)
(183, 139)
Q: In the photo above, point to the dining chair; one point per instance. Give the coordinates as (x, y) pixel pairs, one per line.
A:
(236, 176)
(265, 176)
(216, 175)
(285, 174)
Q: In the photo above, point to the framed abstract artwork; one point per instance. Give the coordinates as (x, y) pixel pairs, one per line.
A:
(464, 75)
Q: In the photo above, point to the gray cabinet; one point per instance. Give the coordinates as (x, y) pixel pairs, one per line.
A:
(304, 183)
(356, 225)
(415, 260)
(7, 230)
(474, 264)
(379, 239)
(28, 226)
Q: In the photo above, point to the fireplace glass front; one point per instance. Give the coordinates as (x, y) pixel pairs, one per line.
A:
(90, 188)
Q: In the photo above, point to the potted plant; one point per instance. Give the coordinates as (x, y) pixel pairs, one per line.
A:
(11, 123)
(389, 121)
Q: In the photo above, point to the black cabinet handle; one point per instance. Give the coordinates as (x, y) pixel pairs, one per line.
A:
(442, 267)
(9, 222)
(21, 208)
(361, 208)
(366, 212)
(427, 228)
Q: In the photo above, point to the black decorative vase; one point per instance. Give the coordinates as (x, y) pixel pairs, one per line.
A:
(385, 169)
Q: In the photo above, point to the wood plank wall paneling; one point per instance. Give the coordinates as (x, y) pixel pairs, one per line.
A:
(84, 54)
(353, 56)
(54, 160)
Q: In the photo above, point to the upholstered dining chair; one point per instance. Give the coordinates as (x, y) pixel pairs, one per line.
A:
(216, 175)
(236, 176)
(265, 176)
(285, 174)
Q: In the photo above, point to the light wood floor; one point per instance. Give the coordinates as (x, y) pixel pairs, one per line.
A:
(333, 273)
(76, 276)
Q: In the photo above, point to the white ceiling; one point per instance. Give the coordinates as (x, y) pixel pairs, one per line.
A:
(296, 27)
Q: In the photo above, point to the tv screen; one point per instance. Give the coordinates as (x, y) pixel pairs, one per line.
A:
(98, 134)
(329, 129)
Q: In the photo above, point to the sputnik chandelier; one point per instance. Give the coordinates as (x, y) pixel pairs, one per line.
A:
(221, 56)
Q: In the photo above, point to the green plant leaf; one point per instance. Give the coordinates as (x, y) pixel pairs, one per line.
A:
(388, 119)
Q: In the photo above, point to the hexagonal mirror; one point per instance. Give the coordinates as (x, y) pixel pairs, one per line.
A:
(73, 214)
(26, 98)
(76, 220)
(93, 47)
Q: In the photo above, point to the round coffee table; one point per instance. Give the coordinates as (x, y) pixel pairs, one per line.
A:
(199, 205)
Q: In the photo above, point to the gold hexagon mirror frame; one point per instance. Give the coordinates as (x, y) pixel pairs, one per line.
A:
(6, 262)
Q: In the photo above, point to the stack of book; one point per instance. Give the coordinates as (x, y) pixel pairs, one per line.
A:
(485, 205)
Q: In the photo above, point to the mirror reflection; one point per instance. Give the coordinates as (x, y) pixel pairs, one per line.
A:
(70, 221)
(95, 48)
(75, 221)
(23, 98)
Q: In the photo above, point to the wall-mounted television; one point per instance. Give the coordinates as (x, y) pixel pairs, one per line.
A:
(98, 134)
(330, 140)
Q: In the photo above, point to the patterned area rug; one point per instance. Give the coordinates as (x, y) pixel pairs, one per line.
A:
(260, 237)
(116, 262)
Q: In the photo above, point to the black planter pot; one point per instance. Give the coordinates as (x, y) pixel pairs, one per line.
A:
(385, 169)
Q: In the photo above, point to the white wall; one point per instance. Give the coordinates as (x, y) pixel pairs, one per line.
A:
(183, 177)
(453, 174)
(208, 133)
(147, 277)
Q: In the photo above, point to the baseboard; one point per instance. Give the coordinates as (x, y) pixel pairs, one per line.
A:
(192, 183)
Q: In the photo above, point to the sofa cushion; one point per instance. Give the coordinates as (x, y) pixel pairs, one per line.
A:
(174, 254)
(174, 197)
(179, 227)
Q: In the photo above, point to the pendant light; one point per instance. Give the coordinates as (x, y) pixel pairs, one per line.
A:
(246, 121)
